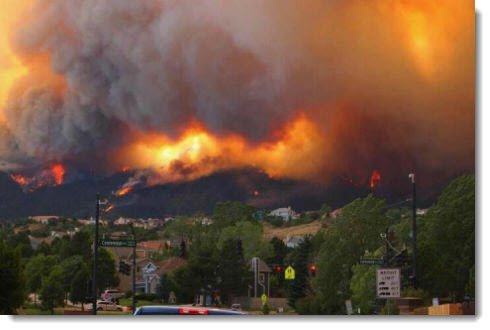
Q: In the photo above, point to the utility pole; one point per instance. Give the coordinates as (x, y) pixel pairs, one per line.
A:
(134, 269)
(96, 244)
(414, 232)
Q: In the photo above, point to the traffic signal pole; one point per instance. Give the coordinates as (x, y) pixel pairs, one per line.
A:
(96, 244)
(134, 270)
(414, 233)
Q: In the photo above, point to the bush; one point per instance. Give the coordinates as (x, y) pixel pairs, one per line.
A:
(146, 296)
(265, 309)
(307, 306)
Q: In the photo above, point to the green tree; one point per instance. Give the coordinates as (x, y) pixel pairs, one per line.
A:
(354, 231)
(52, 293)
(251, 235)
(300, 259)
(36, 268)
(363, 288)
(12, 282)
(70, 267)
(228, 213)
(232, 272)
(79, 287)
(446, 241)
(106, 271)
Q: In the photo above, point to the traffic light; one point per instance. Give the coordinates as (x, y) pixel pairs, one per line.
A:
(239, 249)
(182, 249)
(313, 270)
(278, 269)
(124, 268)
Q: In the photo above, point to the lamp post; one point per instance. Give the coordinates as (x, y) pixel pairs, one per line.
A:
(96, 243)
(411, 176)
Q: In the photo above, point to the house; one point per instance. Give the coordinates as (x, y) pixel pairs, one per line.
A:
(155, 223)
(147, 249)
(44, 219)
(293, 241)
(286, 213)
(261, 278)
(36, 241)
(335, 213)
(122, 221)
(148, 274)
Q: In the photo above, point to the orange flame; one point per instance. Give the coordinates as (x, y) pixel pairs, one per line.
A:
(123, 191)
(375, 179)
(198, 152)
(109, 208)
(58, 172)
(20, 179)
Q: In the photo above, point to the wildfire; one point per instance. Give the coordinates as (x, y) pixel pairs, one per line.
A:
(123, 191)
(53, 176)
(58, 172)
(375, 179)
(198, 152)
(20, 179)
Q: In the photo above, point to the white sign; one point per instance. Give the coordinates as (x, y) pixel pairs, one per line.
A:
(388, 283)
(348, 306)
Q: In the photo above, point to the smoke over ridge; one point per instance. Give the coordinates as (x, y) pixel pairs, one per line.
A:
(362, 85)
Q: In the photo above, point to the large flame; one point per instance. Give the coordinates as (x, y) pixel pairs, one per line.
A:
(52, 176)
(291, 152)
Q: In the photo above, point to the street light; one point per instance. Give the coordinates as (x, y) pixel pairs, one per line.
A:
(411, 176)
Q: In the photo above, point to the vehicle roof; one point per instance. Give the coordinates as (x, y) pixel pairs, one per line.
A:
(174, 310)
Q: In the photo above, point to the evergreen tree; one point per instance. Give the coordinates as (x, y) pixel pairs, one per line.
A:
(12, 279)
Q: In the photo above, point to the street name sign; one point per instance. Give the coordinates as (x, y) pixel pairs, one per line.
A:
(371, 261)
(117, 243)
(388, 283)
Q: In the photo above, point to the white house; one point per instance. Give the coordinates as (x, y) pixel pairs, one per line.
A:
(286, 213)
(293, 241)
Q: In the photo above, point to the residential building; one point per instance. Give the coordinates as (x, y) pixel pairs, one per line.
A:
(286, 213)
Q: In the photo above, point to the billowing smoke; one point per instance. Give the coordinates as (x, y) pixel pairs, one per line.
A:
(388, 85)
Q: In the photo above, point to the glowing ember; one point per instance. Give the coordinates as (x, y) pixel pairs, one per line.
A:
(19, 179)
(375, 179)
(125, 168)
(256, 193)
(58, 172)
(109, 208)
(123, 191)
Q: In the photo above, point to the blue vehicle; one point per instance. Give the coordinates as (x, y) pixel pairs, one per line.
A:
(183, 310)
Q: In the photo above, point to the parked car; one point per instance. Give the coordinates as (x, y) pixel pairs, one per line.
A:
(183, 310)
(236, 307)
(111, 295)
(103, 305)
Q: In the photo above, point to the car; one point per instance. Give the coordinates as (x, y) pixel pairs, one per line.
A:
(111, 294)
(236, 307)
(183, 310)
(103, 305)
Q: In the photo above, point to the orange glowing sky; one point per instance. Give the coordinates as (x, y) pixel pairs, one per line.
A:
(417, 44)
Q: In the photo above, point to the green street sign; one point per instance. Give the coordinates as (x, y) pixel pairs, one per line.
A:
(117, 243)
(371, 261)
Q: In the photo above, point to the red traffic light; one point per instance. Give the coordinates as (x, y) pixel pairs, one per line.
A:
(278, 269)
(313, 270)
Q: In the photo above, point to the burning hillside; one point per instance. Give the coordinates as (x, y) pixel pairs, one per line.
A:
(174, 91)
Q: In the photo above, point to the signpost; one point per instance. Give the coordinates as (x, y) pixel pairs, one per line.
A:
(371, 261)
(388, 283)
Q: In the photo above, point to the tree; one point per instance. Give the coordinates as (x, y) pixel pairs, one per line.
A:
(52, 293)
(446, 241)
(363, 288)
(300, 259)
(38, 267)
(231, 271)
(106, 274)
(250, 234)
(228, 213)
(12, 282)
(70, 267)
(79, 287)
(354, 231)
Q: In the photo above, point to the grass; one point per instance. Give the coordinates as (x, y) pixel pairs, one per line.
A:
(37, 311)
(129, 302)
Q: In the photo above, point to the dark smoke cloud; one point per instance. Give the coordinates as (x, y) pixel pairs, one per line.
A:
(245, 67)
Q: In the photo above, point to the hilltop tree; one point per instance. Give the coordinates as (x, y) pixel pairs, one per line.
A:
(229, 213)
(447, 241)
(12, 279)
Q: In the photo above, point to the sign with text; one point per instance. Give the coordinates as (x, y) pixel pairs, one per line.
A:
(117, 243)
(388, 283)
(371, 261)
